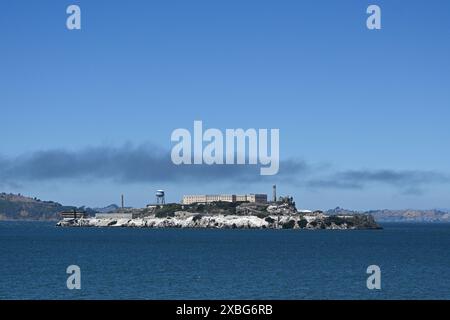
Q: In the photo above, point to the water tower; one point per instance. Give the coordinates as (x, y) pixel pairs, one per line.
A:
(160, 197)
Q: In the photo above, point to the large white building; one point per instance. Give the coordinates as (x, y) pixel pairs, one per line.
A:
(208, 198)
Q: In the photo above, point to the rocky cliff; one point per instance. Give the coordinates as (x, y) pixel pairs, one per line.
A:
(195, 220)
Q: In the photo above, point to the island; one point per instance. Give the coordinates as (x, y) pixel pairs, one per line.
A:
(281, 214)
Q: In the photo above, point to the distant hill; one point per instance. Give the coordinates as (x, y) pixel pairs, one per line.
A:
(18, 207)
(109, 209)
(407, 215)
(410, 215)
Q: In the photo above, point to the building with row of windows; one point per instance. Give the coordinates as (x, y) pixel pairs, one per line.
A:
(208, 198)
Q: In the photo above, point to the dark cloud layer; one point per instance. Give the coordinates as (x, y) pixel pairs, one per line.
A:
(127, 164)
(406, 180)
(146, 163)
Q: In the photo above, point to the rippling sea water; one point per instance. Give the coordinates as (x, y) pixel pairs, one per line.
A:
(124, 263)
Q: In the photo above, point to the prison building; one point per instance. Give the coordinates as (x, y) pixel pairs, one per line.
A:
(208, 198)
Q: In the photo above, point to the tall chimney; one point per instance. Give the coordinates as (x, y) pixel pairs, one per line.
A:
(274, 193)
(122, 202)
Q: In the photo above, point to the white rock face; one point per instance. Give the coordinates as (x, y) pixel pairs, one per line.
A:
(184, 221)
(192, 220)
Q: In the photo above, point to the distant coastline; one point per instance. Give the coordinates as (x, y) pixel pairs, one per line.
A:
(16, 207)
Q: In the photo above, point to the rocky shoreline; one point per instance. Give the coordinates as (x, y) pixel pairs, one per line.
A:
(221, 221)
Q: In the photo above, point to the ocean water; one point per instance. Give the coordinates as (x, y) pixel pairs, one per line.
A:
(124, 263)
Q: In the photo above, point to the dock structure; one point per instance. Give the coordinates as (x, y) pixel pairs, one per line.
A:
(118, 215)
(73, 214)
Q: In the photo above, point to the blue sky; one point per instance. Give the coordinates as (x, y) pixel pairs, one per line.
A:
(363, 115)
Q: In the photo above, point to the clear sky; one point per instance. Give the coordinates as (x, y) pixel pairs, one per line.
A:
(86, 115)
